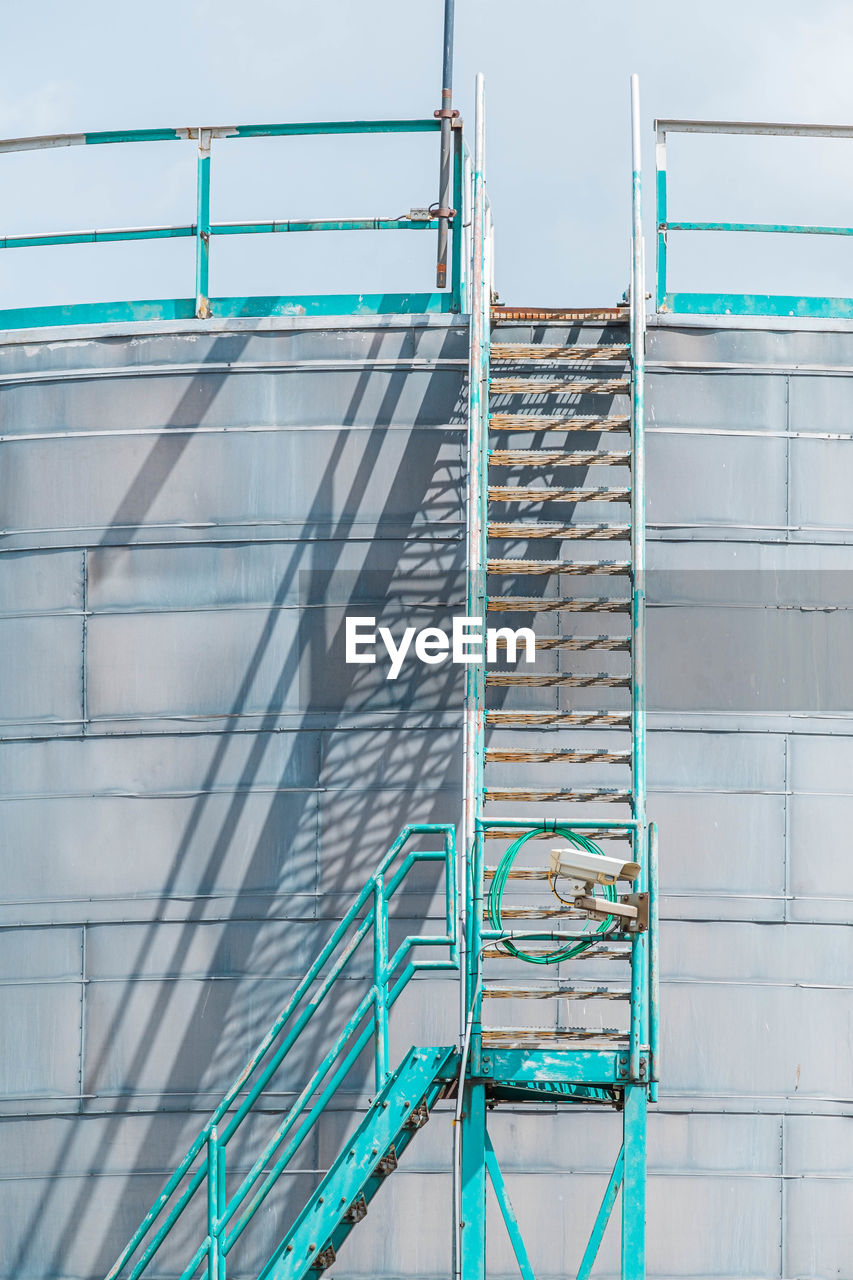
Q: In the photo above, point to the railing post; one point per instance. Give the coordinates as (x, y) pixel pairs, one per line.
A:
(380, 981)
(215, 1199)
(202, 227)
(660, 195)
(654, 967)
(457, 246)
(445, 114)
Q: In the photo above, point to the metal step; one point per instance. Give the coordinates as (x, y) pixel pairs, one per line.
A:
(544, 386)
(613, 568)
(538, 913)
(569, 755)
(530, 795)
(579, 604)
(552, 529)
(551, 1038)
(594, 680)
(532, 351)
(559, 315)
(560, 992)
(555, 422)
(529, 493)
(577, 644)
(558, 458)
(533, 719)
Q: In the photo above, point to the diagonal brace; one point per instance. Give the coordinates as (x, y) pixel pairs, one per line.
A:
(603, 1216)
(508, 1212)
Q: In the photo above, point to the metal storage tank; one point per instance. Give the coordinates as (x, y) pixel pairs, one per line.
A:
(193, 788)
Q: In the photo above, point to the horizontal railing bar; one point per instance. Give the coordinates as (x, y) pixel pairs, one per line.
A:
(769, 228)
(299, 128)
(302, 128)
(546, 825)
(323, 224)
(809, 306)
(755, 127)
(98, 237)
(187, 230)
(555, 935)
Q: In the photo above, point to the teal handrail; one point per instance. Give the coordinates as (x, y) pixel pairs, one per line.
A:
(432, 218)
(740, 304)
(205, 1161)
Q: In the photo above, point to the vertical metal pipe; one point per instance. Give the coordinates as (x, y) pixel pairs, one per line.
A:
(660, 194)
(473, 1242)
(634, 1183)
(445, 114)
(380, 982)
(639, 963)
(220, 1201)
(202, 227)
(458, 236)
(473, 728)
(213, 1204)
(466, 1132)
(654, 969)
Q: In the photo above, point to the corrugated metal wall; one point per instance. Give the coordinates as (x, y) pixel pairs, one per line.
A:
(188, 800)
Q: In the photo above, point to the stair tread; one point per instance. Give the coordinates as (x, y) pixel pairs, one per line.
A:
(559, 457)
(542, 493)
(543, 385)
(551, 1038)
(509, 564)
(570, 755)
(613, 795)
(558, 315)
(553, 529)
(575, 352)
(578, 644)
(593, 680)
(558, 422)
(579, 604)
(530, 719)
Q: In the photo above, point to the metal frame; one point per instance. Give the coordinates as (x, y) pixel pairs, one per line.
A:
(741, 304)
(202, 305)
(627, 1075)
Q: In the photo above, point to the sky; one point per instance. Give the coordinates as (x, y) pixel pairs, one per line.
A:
(558, 168)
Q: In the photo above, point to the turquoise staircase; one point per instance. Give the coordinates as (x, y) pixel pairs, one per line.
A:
(358, 965)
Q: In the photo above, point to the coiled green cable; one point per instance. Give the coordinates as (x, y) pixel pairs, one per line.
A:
(498, 885)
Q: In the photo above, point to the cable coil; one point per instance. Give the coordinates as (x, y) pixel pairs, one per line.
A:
(498, 886)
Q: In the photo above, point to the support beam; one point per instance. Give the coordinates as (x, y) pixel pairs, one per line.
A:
(473, 1232)
(634, 1183)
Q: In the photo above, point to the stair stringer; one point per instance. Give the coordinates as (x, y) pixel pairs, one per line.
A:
(364, 1163)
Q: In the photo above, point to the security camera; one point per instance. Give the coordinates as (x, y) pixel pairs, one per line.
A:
(591, 868)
